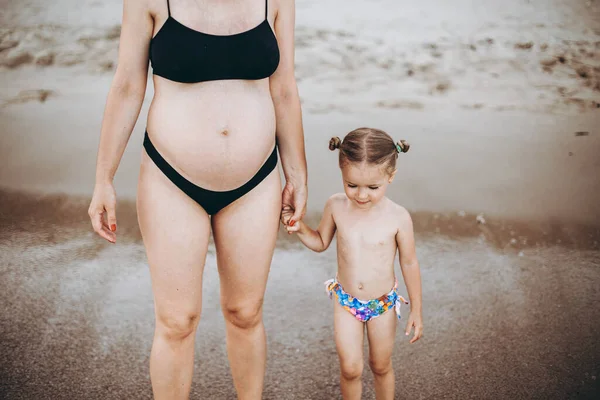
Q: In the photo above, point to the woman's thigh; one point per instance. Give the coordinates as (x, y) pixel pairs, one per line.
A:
(175, 230)
(245, 233)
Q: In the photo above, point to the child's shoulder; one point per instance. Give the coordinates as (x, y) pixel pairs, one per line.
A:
(336, 199)
(400, 213)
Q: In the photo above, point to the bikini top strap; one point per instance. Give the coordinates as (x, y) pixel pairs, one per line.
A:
(168, 8)
(266, 8)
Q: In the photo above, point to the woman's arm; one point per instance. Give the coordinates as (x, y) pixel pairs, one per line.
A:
(290, 135)
(320, 239)
(405, 239)
(127, 89)
(122, 109)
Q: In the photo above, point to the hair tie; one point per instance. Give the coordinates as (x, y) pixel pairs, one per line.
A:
(402, 146)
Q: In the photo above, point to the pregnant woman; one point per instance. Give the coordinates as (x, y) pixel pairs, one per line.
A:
(225, 100)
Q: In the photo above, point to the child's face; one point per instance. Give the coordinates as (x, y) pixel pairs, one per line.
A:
(365, 184)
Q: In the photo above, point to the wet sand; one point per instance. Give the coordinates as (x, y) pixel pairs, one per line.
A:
(515, 320)
(500, 102)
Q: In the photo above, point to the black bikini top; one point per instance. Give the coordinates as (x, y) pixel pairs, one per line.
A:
(182, 54)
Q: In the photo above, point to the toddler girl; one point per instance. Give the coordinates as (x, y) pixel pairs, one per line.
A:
(370, 228)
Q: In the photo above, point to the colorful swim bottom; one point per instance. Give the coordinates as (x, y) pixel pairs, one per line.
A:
(364, 310)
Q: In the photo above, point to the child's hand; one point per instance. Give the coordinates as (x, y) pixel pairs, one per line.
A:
(414, 320)
(287, 212)
(286, 215)
(293, 227)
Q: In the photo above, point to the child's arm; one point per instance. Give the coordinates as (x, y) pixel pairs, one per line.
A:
(320, 239)
(405, 239)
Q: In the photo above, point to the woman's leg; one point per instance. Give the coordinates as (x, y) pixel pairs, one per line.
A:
(349, 336)
(175, 230)
(245, 234)
(381, 332)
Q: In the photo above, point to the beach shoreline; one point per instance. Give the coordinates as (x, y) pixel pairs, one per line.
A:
(501, 108)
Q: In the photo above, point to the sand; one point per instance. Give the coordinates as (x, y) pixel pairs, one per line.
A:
(499, 101)
(77, 315)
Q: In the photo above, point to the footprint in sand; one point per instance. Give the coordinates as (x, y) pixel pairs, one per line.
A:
(549, 62)
(582, 104)
(327, 108)
(8, 44)
(26, 96)
(524, 46)
(59, 46)
(476, 106)
(413, 105)
(441, 87)
(17, 59)
(45, 58)
(113, 33)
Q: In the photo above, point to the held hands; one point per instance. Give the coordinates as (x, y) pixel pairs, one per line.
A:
(102, 211)
(414, 320)
(291, 225)
(293, 205)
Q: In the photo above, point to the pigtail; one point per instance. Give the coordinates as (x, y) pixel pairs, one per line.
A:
(335, 143)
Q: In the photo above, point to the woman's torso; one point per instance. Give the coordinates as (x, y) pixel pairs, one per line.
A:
(366, 248)
(216, 132)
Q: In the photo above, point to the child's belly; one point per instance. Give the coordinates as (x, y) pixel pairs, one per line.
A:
(364, 274)
(363, 287)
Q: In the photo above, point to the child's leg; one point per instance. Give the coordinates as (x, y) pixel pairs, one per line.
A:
(381, 332)
(349, 336)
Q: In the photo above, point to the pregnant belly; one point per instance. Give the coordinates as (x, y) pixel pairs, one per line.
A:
(217, 136)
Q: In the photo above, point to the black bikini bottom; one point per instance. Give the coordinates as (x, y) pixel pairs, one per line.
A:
(211, 201)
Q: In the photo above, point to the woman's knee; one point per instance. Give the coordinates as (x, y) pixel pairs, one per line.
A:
(177, 327)
(351, 370)
(380, 367)
(246, 316)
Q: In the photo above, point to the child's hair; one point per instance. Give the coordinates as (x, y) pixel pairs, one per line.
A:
(369, 145)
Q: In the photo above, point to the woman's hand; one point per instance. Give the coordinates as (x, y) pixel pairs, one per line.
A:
(102, 211)
(293, 198)
(414, 320)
